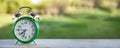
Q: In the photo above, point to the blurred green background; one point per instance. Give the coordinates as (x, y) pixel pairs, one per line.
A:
(66, 19)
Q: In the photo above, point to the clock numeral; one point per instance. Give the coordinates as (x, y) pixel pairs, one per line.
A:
(32, 33)
(25, 37)
(33, 30)
(18, 29)
(29, 36)
(22, 23)
(29, 23)
(19, 26)
(22, 37)
(32, 26)
(25, 22)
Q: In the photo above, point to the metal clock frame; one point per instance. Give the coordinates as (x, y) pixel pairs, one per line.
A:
(37, 29)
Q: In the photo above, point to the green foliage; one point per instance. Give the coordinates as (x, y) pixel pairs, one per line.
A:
(79, 26)
(11, 6)
(84, 23)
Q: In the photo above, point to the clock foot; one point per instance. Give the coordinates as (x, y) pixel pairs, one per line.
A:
(16, 42)
(35, 43)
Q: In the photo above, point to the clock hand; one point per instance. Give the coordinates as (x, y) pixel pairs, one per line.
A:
(23, 33)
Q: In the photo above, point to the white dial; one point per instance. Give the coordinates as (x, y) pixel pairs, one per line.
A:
(25, 30)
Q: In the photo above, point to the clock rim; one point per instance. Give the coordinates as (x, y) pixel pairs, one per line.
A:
(34, 22)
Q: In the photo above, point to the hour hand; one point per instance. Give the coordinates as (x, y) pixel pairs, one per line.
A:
(23, 32)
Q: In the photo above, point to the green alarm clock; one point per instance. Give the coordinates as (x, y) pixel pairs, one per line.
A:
(25, 29)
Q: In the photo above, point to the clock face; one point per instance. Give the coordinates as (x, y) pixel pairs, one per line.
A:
(25, 30)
